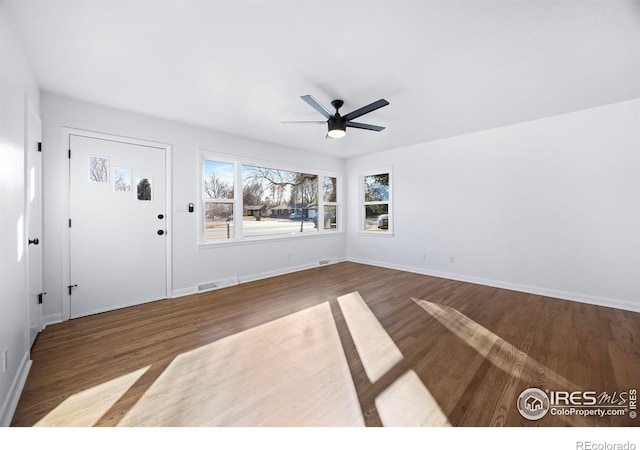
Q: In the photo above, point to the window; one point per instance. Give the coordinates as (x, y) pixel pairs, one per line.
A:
(330, 207)
(217, 197)
(376, 202)
(244, 200)
(276, 201)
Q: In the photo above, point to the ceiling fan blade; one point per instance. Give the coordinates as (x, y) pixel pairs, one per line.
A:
(364, 126)
(315, 104)
(366, 109)
(305, 121)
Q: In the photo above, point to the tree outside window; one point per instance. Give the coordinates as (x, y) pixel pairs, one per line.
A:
(282, 201)
(217, 197)
(267, 202)
(376, 211)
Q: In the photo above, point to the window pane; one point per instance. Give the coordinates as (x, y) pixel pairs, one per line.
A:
(376, 188)
(330, 218)
(264, 223)
(277, 201)
(218, 221)
(376, 217)
(329, 187)
(217, 180)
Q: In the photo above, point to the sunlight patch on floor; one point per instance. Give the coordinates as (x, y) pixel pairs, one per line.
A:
(288, 372)
(406, 402)
(377, 350)
(483, 340)
(85, 408)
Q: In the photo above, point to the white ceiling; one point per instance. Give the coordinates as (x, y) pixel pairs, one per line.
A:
(447, 68)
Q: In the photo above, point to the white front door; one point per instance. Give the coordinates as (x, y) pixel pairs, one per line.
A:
(117, 225)
(34, 225)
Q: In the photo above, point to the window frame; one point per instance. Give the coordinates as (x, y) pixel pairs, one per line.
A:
(325, 203)
(203, 200)
(238, 161)
(363, 204)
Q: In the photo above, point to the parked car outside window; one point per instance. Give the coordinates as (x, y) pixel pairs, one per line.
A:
(383, 221)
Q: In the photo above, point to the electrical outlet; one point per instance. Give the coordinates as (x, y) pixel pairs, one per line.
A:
(452, 259)
(424, 257)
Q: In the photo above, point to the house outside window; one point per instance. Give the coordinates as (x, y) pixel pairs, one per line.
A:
(277, 201)
(244, 200)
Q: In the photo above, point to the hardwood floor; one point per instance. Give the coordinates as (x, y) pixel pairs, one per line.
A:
(345, 344)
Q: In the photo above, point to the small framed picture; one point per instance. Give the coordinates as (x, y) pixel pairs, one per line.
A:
(121, 180)
(145, 188)
(99, 169)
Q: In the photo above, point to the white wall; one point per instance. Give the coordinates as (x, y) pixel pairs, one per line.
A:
(191, 265)
(17, 87)
(550, 206)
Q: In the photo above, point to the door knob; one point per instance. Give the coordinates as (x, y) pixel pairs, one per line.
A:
(160, 232)
(160, 216)
(34, 241)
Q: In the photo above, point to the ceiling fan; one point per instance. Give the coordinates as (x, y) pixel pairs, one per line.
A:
(338, 124)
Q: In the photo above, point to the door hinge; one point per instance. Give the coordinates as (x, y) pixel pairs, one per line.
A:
(71, 286)
(69, 223)
(69, 153)
(39, 146)
(40, 295)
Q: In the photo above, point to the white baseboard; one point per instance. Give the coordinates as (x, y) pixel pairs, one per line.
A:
(258, 276)
(275, 273)
(13, 396)
(50, 320)
(284, 271)
(183, 292)
(564, 295)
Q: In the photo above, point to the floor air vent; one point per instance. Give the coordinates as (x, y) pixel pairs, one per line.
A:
(326, 262)
(218, 284)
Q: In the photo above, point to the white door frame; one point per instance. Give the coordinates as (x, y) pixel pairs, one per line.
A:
(66, 239)
(30, 111)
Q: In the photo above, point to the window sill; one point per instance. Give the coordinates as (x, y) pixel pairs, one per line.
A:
(375, 234)
(205, 245)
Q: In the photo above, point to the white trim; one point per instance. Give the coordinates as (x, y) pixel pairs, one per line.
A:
(322, 204)
(238, 213)
(375, 234)
(31, 112)
(10, 403)
(184, 292)
(267, 163)
(52, 319)
(240, 161)
(564, 295)
(389, 203)
(278, 272)
(66, 238)
(237, 191)
(168, 200)
(67, 132)
(258, 276)
(205, 245)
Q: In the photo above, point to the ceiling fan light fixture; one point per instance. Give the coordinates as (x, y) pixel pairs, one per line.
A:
(337, 128)
(337, 134)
